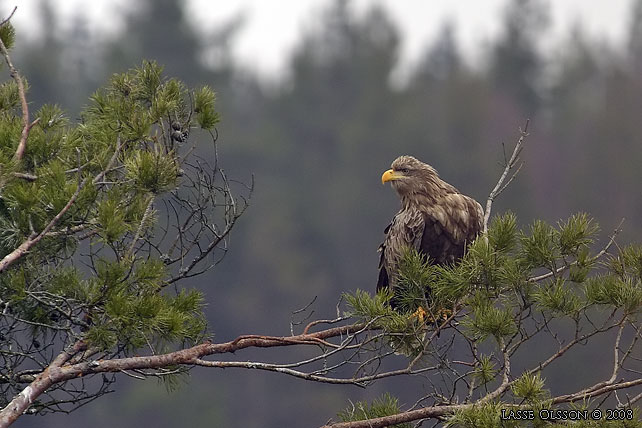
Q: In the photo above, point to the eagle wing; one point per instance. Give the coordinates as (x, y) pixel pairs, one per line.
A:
(450, 226)
(441, 231)
(383, 281)
(405, 231)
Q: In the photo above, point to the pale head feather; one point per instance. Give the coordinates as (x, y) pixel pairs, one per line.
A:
(418, 179)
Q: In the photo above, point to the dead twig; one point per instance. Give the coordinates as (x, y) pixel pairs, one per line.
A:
(509, 165)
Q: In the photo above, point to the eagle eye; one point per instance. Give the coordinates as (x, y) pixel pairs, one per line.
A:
(405, 170)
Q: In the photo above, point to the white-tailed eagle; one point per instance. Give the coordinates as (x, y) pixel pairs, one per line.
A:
(435, 219)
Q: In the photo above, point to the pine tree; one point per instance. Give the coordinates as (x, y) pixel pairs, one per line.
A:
(86, 258)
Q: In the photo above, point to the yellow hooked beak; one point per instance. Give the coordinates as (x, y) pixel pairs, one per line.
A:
(389, 175)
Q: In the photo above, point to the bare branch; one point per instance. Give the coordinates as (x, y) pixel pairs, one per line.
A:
(510, 164)
(596, 391)
(4, 21)
(25, 176)
(45, 380)
(441, 411)
(57, 372)
(410, 416)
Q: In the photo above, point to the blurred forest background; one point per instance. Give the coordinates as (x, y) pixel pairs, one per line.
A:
(317, 143)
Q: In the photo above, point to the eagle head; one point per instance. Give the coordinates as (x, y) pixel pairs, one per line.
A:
(408, 175)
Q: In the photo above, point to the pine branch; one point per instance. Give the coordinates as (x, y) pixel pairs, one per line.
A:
(58, 372)
(24, 248)
(26, 126)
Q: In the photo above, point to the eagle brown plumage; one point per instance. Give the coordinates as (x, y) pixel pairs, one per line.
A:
(435, 219)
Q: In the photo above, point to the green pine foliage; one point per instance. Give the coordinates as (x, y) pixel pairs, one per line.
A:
(554, 297)
(117, 159)
(376, 310)
(404, 330)
(489, 319)
(538, 246)
(206, 115)
(9, 98)
(8, 35)
(502, 233)
(628, 263)
(386, 405)
(415, 277)
(362, 305)
(485, 371)
(152, 172)
(483, 416)
(576, 234)
(550, 268)
(530, 387)
(615, 291)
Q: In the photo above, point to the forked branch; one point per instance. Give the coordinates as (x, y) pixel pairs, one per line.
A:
(63, 368)
(509, 165)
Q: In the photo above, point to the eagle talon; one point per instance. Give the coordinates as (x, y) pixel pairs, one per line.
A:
(442, 315)
(420, 314)
(435, 219)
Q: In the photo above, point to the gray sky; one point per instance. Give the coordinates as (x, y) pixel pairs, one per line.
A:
(272, 27)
